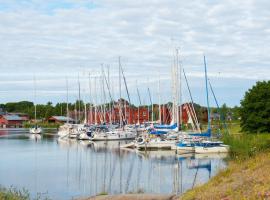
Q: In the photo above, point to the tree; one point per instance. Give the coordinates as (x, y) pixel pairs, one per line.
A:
(255, 108)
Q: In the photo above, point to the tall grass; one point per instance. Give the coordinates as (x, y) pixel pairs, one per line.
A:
(244, 146)
(13, 193)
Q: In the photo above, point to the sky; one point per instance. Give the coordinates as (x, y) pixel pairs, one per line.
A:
(57, 40)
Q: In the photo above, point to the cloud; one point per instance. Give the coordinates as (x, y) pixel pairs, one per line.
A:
(57, 39)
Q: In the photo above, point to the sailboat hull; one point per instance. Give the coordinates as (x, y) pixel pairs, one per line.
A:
(35, 130)
(107, 136)
(218, 149)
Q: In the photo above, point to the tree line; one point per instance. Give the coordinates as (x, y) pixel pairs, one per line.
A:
(47, 110)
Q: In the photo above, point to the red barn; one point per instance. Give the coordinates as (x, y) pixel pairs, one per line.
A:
(11, 121)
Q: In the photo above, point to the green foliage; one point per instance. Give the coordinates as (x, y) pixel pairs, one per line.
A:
(224, 110)
(243, 146)
(41, 124)
(44, 111)
(255, 108)
(235, 112)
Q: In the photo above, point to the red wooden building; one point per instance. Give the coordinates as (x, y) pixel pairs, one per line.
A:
(60, 120)
(134, 114)
(12, 121)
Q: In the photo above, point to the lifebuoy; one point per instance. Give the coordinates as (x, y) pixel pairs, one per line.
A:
(140, 141)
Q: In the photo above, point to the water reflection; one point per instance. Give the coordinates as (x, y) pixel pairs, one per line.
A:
(68, 168)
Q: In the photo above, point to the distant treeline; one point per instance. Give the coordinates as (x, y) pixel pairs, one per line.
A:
(45, 111)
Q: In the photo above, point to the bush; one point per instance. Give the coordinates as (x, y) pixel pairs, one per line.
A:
(255, 109)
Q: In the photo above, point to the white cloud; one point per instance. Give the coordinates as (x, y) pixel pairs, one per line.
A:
(55, 40)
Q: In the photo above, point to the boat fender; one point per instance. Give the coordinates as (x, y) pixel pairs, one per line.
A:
(140, 141)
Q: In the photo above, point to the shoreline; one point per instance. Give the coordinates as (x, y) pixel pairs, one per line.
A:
(242, 179)
(248, 179)
(132, 197)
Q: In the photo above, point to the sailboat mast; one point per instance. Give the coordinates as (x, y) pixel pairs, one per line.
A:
(120, 95)
(218, 107)
(79, 103)
(126, 87)
(140, 102)
(207, 96)
(90, 102)
(180, 94)
(85, 112)
(67, 100)
(177, 92)
(109, 90)
(150, 102)
(159, 99)
(192, 102)
(96, 100)
(35, 96)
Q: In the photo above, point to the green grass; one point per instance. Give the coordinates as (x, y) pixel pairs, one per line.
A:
(102, 193)
(41, 124)
(13, 193)
(244, 145)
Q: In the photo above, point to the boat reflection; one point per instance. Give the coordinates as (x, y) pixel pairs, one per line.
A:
(85, 168)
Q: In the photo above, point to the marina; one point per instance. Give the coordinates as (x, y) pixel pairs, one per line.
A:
(70, 168)
(136, 100)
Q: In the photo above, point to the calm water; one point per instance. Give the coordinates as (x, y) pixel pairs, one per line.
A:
(66, 169)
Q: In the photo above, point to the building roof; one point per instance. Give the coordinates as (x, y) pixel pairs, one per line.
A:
(62, 118)
(13, 118)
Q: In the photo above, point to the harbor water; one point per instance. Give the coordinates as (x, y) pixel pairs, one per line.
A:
(68, 169)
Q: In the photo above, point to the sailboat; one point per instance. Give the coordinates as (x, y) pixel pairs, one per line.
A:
(66, 128)
(197, 143)
(208, 146)
(35, 129)
(111, 133)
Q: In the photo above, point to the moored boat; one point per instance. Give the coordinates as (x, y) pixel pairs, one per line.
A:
(35, 130)
(154, 143)
(116, 134)
(211, 147)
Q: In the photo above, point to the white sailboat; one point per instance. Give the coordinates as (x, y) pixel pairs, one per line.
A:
(154, 143)
(65, 129)
(116, 134)
(35, 129)
(207, 147)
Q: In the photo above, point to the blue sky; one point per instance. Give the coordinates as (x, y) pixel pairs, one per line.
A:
(53, 39)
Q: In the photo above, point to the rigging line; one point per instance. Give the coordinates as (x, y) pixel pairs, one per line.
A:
(218, 107)
(125, 83)
(107, 84)
(193, 109)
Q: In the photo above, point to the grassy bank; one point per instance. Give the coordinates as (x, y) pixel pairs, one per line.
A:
(247, 175)
(15, 194)
(244, 146)
(248, 179)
